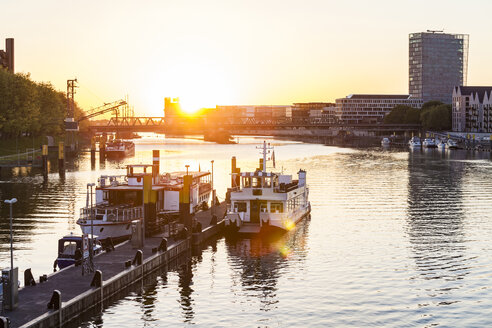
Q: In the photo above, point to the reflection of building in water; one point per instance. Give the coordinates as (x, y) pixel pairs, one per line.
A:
(435, 215)
(257, 263)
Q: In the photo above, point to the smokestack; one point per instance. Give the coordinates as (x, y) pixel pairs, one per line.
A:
(9, 49)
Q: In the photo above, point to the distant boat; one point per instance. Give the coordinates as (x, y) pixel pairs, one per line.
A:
(120, 148)
(220, 137)
(429, 143)
(415, 142)
(385, 142)
(451, 144)
(441, 145)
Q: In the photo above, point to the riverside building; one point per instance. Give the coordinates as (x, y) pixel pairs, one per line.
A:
(437, 63)
(370, 109)
(472, 109)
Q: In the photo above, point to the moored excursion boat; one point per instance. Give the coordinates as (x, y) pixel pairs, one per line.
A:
(429, 143)
(385, 142)
(120, 148)
(262, 202)
(451, 144)
(119, 200)
(414, 142)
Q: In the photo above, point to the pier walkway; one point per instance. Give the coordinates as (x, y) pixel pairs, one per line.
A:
(78, 296)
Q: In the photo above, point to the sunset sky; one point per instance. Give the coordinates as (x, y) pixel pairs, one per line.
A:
(233, 52)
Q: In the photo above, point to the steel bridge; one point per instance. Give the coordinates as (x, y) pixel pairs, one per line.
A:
(236, 126)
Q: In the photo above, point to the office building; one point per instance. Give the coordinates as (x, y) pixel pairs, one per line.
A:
(437, 63)
(472, 109)
(313, 112)
(370, 109)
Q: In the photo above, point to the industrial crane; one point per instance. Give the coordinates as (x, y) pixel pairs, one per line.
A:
(107, 107)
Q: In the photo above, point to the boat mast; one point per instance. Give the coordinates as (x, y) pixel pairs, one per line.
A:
(265, 150)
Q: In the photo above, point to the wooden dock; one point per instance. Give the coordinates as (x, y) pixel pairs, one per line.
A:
(77, 294)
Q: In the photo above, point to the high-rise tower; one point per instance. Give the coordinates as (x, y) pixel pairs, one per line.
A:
(437, 63)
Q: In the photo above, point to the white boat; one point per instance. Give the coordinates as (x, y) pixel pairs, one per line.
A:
(385, 142)
(451, 144)
(265, 202)
(414, 142)
(441, 145)
(120, 148)
(119, 200)
(429, 143)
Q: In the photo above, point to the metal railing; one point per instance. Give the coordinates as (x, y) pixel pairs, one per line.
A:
(111, 213)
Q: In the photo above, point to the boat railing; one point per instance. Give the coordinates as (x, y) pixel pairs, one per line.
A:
(112, 180)
(113, 213)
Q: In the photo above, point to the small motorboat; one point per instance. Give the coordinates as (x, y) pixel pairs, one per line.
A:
(385, 142)
(441, 145)
(71, 248)
(451, 144)
(415, 142)
(429, 143)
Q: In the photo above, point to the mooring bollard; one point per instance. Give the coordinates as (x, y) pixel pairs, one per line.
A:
(97, 279)
(29, 278)
(4, 322)
(128, 263)
(163, 245)
(55, 301)
(138, 259)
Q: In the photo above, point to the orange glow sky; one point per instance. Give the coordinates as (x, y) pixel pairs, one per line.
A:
(233, 52)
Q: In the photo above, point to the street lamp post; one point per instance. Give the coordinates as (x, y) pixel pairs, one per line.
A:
(13, 278)
(11, 202)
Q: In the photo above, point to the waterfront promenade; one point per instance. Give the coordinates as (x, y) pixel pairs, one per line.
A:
(77, 294)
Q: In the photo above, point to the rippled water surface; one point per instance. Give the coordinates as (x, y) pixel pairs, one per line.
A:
(396, 238)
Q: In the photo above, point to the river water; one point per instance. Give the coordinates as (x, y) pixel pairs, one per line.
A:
(396, 238)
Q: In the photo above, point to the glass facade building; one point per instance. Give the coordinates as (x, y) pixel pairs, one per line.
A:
(437, 63)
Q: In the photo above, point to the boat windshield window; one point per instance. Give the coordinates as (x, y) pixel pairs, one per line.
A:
(246, 182)
(69, 248)
(267, 182)
(276, 207)
(263, 207)
(240, 207)
(256, 182)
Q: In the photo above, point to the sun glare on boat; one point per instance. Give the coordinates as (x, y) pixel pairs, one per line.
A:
(289, 225)
(285, 251)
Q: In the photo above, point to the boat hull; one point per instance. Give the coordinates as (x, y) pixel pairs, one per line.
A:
(104, 229)
(234, 225)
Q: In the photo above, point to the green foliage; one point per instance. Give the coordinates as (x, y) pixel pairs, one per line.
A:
(30, 108)
(437, 118)
(434, 115)
(402, 114)
(430, 104)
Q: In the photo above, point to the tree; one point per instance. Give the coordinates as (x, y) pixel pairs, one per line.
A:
(437, 118)
(402, 114)
(30, 107)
